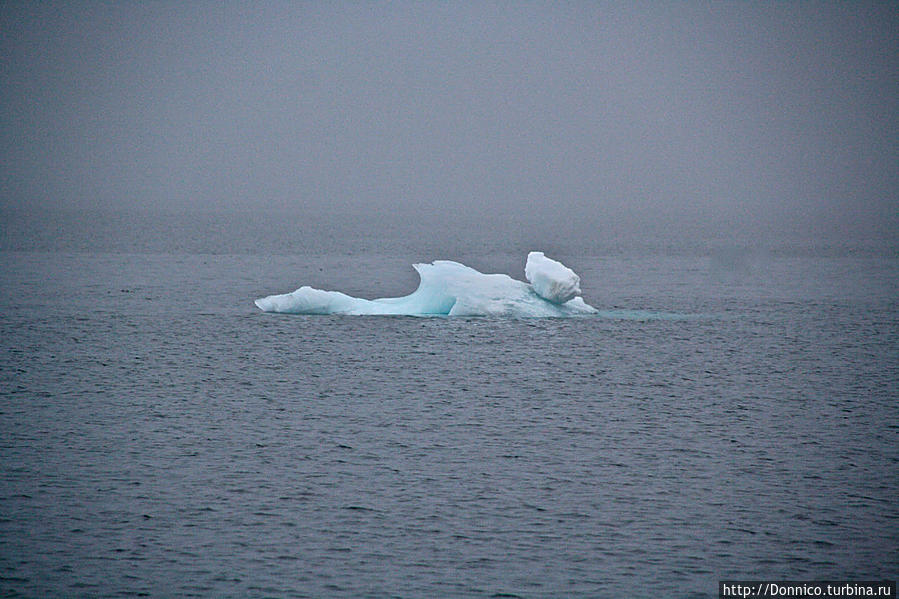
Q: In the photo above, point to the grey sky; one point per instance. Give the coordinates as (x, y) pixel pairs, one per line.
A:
(746, 111)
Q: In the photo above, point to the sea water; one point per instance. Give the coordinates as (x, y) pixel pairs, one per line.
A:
(730, 413)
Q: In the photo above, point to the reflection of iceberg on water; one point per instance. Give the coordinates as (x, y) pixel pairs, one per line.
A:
(452, 289)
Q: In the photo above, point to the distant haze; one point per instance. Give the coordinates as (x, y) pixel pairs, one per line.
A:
(741, 113)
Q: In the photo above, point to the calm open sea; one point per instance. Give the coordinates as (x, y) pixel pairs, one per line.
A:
(161, 436)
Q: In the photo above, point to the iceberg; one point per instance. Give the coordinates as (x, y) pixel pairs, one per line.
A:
(551, 280)
(448, 288)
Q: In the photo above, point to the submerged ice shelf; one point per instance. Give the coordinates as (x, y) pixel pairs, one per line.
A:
(449, 288)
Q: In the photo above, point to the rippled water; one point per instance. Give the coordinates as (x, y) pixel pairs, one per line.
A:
(731, 414)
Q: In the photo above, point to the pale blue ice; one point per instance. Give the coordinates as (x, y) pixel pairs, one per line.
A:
(449, 288)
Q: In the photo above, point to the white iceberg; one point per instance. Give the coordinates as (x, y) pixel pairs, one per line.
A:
(452, 289)
(551, 280)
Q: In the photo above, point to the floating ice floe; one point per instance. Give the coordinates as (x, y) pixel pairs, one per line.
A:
(449, 288)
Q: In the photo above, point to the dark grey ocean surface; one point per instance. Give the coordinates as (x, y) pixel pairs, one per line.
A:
(733, 413)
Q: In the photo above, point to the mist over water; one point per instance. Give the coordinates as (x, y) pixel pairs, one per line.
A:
(730, 117)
